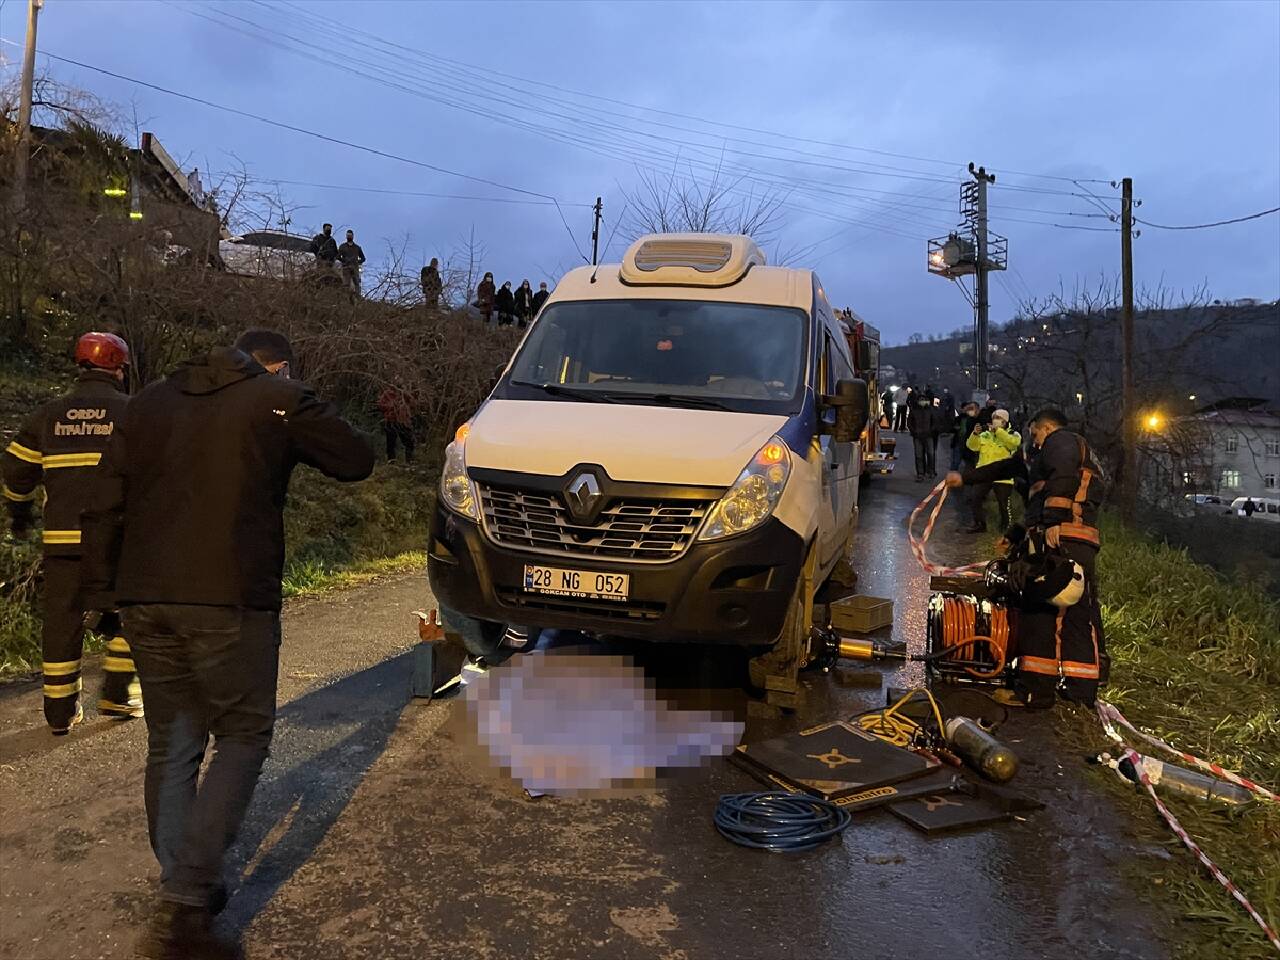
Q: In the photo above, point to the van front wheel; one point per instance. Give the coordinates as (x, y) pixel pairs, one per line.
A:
(777, 672)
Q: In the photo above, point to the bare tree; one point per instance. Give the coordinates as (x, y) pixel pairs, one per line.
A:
(675, 203)
(463, 269)
(54, 103)
(1064, 351)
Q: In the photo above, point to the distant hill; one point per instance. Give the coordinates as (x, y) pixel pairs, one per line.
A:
(1213, 351)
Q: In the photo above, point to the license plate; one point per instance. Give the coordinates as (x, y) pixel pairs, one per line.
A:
(579, 584)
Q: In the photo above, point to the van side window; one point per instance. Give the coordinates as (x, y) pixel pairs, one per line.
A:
(837, 364)
(826, 378)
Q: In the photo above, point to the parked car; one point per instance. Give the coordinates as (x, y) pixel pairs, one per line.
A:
(673, 455)
(1200, 502)
(1265, 508)
(276, 255)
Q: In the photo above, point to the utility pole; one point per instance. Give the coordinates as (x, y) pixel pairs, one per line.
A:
(972, 249)
(982, 298)
(24, 110)
(1129, 473)
(595, 231)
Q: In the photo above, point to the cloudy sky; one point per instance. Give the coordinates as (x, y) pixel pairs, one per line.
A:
(860, 118)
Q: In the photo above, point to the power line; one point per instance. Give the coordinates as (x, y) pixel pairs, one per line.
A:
(1203, 226)
(413, 193)
(347, 30)
(288, 126)
(474, 80)
(627, 146)
(631, 152)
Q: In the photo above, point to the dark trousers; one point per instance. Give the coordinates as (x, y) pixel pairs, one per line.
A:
(206, 671)
(957, 450)
(62, 643)
(925, 450)
(401, 432)
(900, 418)
(1063, 649)
(978, 503)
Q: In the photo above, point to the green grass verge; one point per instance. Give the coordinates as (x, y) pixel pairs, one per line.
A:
(336, 535)
(312, 578)
(1196, 661)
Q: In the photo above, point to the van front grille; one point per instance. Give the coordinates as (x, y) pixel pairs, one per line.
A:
(627, 529)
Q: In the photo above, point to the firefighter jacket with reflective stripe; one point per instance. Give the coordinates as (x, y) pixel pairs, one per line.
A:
(1066, 485)
(60, 447)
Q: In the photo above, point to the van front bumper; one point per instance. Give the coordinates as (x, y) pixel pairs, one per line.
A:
(732, 591)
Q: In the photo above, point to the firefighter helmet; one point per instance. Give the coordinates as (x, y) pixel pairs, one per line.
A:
(104, 351)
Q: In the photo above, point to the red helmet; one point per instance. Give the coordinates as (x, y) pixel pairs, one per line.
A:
(105, 351)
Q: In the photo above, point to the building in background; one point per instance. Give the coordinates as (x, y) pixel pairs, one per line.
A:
(1229, 449)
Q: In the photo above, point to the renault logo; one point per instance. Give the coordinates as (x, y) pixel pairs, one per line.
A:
(582, 494)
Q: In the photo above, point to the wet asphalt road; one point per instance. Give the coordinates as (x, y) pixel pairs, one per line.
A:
(374, 835)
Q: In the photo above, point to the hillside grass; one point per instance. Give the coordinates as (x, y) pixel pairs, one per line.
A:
(1196, 662)
(337, 535)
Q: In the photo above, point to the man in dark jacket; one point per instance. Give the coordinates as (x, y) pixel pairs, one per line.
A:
(920, 418)
(524, 304)
(1061, 648)
(60, 447)
(187, 539)
(324, 246)
(540, 297)
(352, 258)
(432, 285)
(505, 301)
(486, 293)
(965, 423)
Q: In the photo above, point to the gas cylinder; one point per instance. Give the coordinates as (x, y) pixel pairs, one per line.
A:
(980, 750)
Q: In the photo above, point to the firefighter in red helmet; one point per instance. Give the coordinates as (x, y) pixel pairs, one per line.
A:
(59, 448)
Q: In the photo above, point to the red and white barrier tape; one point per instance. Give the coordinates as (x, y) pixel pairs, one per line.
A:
(1135, 758)
(1108, 712)
(917, 545)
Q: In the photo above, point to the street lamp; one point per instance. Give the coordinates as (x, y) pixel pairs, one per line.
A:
(1153, 421)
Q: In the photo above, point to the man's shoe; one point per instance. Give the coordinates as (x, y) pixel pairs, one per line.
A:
(1007, 698)
(129, 710)
(75, 718)
(974, 528)
(181, 932)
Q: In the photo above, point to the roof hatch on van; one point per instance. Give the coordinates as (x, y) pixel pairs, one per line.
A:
(690, 259)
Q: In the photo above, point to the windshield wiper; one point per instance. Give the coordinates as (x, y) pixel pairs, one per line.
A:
(556, 390)
(683, 400)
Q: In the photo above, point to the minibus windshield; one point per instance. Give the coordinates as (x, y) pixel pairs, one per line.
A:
(700, 354)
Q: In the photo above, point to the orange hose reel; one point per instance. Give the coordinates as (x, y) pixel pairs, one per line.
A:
(958, 622)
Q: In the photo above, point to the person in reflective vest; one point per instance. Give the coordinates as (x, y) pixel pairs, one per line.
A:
(59, 447)
(1061, 647)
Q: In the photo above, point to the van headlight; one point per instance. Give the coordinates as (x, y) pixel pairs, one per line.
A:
(753, 495)
(456, 488)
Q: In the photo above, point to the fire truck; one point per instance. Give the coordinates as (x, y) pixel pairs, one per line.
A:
(879, 455)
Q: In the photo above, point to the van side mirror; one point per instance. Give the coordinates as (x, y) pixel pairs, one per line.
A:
(493, 381)
(851, 405)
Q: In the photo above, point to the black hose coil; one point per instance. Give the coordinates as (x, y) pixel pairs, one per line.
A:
(779, 821)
